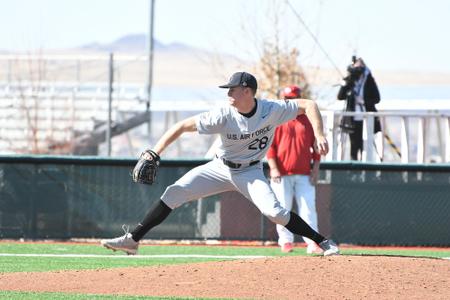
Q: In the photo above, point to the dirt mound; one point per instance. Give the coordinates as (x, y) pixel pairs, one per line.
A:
(350, 277)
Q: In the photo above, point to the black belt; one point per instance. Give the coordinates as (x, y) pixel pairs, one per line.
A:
(237, 165)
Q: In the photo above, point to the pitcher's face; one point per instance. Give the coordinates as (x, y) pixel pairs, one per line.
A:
(237, 95)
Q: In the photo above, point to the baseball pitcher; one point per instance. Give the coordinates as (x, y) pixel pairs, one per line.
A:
(246, 127)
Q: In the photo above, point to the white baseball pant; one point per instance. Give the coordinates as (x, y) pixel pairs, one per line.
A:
(300, 188)
(214, 177)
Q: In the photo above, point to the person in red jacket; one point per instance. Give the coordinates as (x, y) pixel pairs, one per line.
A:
(290, 157)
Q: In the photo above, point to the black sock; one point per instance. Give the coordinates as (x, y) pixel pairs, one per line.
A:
(157, 213)
(298, 226)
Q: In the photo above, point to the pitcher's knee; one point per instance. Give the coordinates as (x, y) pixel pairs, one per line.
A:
(278, 217)
(174, 196)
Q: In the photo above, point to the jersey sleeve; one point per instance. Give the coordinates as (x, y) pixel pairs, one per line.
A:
(210, 122)
(284, 111)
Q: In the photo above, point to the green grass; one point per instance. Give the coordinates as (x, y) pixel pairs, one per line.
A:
(66, 248)
(59, 296)
(36, 264)
(42, 264)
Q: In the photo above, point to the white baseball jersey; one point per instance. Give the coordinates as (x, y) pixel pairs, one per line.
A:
(246, 139)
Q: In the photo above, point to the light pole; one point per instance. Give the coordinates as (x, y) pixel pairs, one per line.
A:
(110, 95)
(150, 47)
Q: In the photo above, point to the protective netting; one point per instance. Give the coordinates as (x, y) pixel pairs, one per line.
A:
(92, 198)
(391, 207)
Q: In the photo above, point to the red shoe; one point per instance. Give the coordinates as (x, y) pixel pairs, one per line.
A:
(287, 247)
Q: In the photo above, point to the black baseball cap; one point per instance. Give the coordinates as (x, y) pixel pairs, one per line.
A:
(243, 79)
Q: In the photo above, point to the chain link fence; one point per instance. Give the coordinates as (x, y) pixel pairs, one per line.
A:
(44, 197)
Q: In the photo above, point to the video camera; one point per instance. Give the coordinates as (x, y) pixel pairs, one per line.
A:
(355, 72)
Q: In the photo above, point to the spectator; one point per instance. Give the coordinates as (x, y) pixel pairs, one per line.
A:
(290, 157)
(361, 92)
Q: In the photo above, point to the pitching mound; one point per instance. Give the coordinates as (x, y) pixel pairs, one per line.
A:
(351, 277)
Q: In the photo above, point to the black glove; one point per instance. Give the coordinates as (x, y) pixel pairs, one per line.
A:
(146, 167)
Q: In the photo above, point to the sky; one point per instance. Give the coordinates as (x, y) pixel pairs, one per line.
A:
(388, 34)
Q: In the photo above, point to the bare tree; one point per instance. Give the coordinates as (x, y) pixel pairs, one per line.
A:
(276, 57)
(278, 68)
(31, 118)
(279, 64)
(28, 87)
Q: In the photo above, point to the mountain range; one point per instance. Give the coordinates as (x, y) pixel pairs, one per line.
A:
(134, 43)
(137, 43)
(198, 64)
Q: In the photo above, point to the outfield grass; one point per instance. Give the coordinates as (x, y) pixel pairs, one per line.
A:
(36, 264)
(41, 264)
(103, 261)
(60, 296)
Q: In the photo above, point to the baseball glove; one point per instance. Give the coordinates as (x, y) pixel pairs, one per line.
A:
(146, 167)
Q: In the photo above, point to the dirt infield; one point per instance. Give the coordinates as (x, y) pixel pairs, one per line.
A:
(347, 277)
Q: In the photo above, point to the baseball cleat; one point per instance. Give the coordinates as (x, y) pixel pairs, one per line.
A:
(123, 243)
(313, 248)
(287, 247)
(329, 248)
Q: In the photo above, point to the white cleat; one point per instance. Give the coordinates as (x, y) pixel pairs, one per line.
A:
(123, 243)
(313, 248)
(329, 248)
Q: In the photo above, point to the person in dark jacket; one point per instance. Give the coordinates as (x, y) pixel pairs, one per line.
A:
(361, 92)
